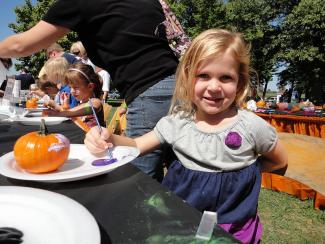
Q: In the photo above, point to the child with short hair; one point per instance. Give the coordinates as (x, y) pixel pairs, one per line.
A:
(221, 149)
(86, 88)
(55, 69)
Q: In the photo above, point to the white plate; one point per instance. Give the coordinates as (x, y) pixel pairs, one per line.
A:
(78, 166)
(37, 120)
(4, 116)
(46, 217)
(31, 110)
(34, 114)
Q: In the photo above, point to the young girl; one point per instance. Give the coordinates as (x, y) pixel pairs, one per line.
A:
(86, 88)
(221, 149)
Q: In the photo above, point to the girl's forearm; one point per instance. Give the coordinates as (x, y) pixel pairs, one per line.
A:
(269, 166)
(118, 140)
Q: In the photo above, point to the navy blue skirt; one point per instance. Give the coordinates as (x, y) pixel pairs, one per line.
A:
(233, 195)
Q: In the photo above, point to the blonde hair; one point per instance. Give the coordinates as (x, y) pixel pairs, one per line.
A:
(78, 47)
(209, 44)
(55, 69)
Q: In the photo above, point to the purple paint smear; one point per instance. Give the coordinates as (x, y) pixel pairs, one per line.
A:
(103, 161)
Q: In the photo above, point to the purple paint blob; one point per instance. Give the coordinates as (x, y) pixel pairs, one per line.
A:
(103, 161)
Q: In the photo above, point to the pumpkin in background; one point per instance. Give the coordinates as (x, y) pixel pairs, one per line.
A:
(260, 104)
(295, 108)
(41, 152)
(31, 103)
(282, 106)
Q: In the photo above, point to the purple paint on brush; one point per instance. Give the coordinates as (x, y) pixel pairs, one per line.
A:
(103, 161)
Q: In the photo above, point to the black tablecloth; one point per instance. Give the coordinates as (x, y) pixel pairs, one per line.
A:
(128, 205)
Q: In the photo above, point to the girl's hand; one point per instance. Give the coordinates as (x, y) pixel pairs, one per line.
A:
(96, 142)
(49, 104)
(50, 112)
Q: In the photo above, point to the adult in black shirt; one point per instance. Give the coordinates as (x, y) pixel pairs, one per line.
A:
(121, 37)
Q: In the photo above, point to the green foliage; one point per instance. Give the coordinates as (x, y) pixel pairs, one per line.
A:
(302, 45)
(287, 34)
(28, 16)
(255, 20)
(199, 15)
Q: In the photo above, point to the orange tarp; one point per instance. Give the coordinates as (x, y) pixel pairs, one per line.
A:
(311, 126)
(306, 169)
(292, 187)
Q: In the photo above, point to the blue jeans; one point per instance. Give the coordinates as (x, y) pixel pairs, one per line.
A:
(143, 113)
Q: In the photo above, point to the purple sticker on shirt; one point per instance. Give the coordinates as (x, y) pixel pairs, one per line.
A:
(233, 140)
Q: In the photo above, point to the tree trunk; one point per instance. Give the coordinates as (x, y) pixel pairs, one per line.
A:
(265, 89)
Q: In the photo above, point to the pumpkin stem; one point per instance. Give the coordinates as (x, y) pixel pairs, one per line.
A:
(43, 128)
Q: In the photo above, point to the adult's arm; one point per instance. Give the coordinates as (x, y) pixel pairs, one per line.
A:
(35, 39)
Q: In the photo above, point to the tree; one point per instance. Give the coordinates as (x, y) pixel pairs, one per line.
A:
(28, 16)
(302, 48)
(256, 19)
(199, 15)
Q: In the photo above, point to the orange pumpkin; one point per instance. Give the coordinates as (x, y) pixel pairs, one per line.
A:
(40, 152)
(31, 103)
(260, 104)
(34, 99)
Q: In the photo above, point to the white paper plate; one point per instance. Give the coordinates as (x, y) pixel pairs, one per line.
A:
(4, 116)
(31, 110)
(37, 120)
(46, 217)
(34, 114)
(78, 166)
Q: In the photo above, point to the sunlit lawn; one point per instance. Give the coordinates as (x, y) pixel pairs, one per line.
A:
(287, 219)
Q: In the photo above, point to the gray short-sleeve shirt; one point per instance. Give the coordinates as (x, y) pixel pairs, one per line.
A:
(202, 151)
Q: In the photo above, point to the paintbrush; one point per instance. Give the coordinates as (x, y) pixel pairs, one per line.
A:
(110, 155)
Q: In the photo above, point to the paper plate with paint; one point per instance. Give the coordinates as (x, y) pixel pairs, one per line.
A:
(81, 164)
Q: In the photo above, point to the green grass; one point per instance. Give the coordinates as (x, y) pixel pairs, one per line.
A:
(287, 219)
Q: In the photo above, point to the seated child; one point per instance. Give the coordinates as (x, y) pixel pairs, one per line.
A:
(55, 69)
(86, 88)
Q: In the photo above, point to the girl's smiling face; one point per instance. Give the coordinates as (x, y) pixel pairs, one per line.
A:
(215, 85)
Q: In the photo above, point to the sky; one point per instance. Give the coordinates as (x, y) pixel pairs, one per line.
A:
(7, 15)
